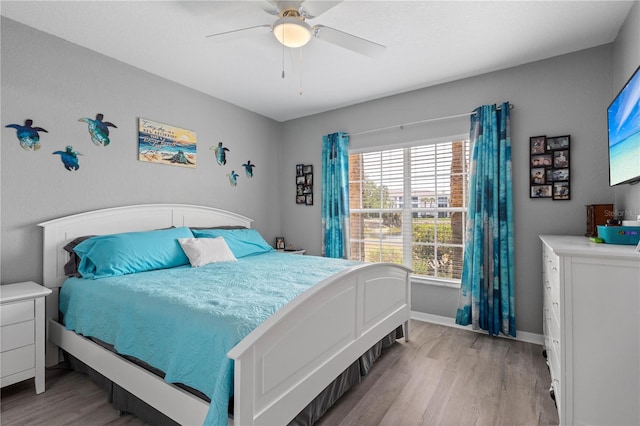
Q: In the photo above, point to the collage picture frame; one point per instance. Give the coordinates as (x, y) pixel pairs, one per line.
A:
(304, 184)
(549, 167)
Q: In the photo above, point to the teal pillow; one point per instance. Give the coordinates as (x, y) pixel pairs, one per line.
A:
(130, 252)
(242, 242)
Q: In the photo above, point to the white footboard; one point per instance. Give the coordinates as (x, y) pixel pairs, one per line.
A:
(290, 358)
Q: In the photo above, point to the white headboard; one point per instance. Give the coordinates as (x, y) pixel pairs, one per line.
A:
(143, 217)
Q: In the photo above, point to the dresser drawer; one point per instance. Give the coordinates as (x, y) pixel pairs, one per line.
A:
(554, 370)
(12, 313)
(17, 335)
(553, 306)
(551, 259)
(552, 292)
(553, 360)
(17, 360)
(545, 326)
(557, 395)
(553, 329)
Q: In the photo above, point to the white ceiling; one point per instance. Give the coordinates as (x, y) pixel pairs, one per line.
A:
(428, 42)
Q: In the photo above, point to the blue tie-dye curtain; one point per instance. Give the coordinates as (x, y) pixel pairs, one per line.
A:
(335, 195)
(487, 290)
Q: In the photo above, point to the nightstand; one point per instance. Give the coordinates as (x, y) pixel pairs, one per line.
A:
(22, 335)
(293, 251)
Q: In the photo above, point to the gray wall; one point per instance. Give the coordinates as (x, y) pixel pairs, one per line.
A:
(55, 83)
(626, 58)
(563, 95)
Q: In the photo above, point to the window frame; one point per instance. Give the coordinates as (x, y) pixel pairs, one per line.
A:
(406, 214)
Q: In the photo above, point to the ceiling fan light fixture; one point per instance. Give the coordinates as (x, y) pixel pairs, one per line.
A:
(291, 31)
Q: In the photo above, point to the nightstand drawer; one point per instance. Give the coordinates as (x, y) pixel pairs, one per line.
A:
(17, 335)
(12, 313)
(17, 360)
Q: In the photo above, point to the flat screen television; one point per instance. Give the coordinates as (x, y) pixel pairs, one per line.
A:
(623, 119)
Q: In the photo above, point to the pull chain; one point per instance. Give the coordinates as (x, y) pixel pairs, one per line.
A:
(282, 51)
(300, 87)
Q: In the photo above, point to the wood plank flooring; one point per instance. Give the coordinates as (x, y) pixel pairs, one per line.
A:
(443, 376)
(70, 399)
(450, 376)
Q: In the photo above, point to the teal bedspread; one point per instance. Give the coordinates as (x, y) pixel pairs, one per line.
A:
(184, 320)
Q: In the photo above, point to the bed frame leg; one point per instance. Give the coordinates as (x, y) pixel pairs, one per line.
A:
(405, 326)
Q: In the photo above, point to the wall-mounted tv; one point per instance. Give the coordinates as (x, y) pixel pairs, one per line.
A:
(623, 117)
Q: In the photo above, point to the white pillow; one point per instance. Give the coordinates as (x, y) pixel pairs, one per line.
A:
(202, 251)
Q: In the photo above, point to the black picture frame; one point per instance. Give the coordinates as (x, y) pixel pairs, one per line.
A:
(544, 160)
(280, 245)
(304, 184)
(558, 142)
(561, 159)
(561, 191)
(549, 167)
(541, 191)
(538, 144)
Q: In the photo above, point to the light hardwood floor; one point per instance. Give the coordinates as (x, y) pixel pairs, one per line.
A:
(443, 376)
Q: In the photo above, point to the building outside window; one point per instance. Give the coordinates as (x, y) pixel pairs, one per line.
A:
(426, 233)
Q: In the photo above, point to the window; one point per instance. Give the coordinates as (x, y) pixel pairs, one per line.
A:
(409, 206)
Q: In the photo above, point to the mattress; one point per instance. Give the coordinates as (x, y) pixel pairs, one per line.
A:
(184, 320)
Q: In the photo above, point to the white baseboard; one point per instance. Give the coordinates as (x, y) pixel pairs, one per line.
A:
(523, 336)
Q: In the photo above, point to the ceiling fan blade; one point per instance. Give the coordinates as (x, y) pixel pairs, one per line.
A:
(348, 41)
(276, 7)
(312, 9)
(241, 32)
(271, 7)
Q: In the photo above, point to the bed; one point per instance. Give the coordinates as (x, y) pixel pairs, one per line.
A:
(279, 366)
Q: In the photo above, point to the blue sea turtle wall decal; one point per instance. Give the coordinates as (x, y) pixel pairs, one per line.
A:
(98, 129)
(248, 168)
(221, 153)
(233, 178)
(69, 158)
(28, 135)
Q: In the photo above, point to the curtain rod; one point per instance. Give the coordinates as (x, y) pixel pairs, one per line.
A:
(428, 120)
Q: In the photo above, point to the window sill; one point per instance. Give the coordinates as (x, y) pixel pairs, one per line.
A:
(438, 282)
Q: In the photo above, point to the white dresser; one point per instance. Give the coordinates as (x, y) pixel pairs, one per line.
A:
(591, 314)
(22, 334)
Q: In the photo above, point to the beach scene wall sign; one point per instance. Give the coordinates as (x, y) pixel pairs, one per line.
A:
(166, 144)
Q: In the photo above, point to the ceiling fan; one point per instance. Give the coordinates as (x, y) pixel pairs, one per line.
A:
(292, 30)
